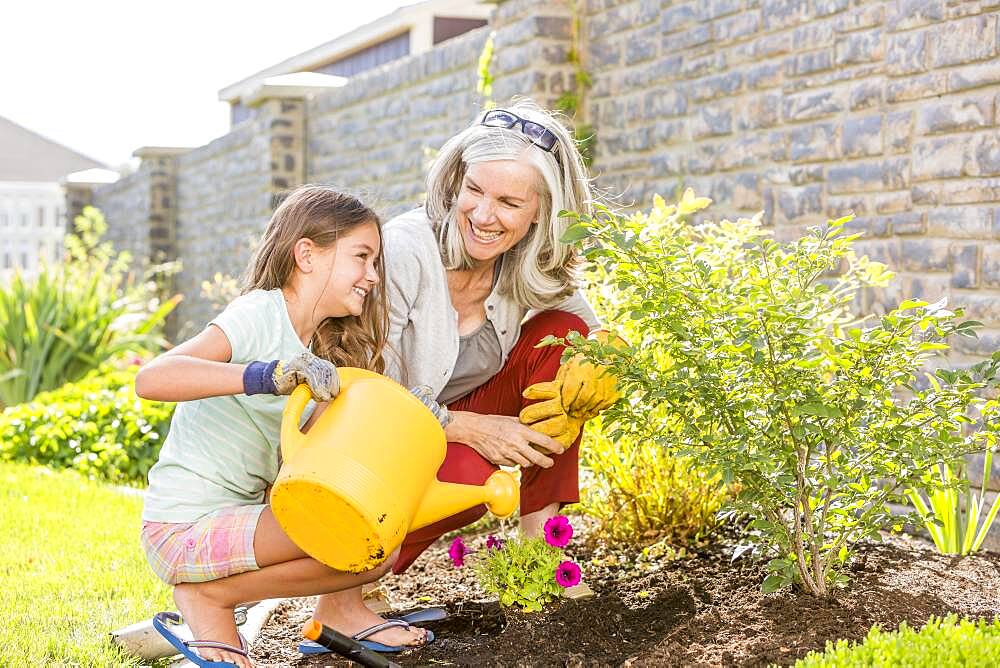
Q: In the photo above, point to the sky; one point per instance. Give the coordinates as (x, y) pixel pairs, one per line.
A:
(105, 77)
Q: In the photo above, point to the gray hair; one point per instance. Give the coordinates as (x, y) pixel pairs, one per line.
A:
(539, 271)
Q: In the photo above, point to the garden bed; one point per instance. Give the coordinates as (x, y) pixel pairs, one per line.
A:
(697, 610)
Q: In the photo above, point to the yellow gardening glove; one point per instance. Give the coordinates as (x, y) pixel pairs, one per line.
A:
(547, 416)
(588, 389)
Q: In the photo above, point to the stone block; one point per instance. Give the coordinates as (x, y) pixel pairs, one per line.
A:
(828, 7)
(907, 53)
(713, 9)
(712, 121)
(679, 41)
(866, 94)
(704, 159)
(953, 114)
(963, 41)
(974, 76)
(861, 137)
(964, 265)
(925, 193)
(867, 16)
(670, 132)
(736, 27)
(809, 63)
(609, 23)
(667, 164)
(990, 266)
(641, 46)
(778, 14)
(664, 103)
(915, 88)
(892, 202)
(923, 254)
(814, 104)
(960, 222)
(978, 306)
(898, 130)
(797, 203)
(863, 47)
(715, 86)
(649, 11)
(870, 226)
(906, 14)
(813, 143)
(764, 47)
(746, 193)
(892, 174)
(801, 174)
(765, 75)
(983, 158)
(842, 205)
(813, 35)
(911, 222)
(680, 16)
(759, 111)
(968, 191)
(604, 54)
(692, 68)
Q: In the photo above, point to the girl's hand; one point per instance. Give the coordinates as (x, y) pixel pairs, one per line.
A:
(281, 377)
(503, 440)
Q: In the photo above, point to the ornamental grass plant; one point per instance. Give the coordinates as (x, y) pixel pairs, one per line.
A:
(69, 319)
(816, 413)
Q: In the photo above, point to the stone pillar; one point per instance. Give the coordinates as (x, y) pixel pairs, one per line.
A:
(160, 163)
(531, 51)
(281, 126)
(78, 195)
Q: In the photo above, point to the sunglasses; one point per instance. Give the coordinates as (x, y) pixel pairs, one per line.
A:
(539, 135)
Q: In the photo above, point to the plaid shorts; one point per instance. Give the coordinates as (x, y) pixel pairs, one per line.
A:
(218, 545)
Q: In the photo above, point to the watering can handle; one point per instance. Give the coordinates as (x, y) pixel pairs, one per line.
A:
(292, 439)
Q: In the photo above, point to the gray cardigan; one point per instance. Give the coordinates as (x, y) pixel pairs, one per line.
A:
(423, 325)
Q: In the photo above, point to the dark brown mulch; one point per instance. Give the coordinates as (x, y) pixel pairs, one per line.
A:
(701, 610)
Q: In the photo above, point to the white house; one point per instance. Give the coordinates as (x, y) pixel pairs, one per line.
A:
(32, 203)
(407, 31)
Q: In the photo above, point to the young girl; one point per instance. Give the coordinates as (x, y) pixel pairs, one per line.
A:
(313, 300)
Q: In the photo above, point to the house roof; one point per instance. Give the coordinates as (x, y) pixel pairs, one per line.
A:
(399, 21)
(28, 156)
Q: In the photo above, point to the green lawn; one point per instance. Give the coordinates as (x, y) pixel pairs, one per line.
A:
(71, 569)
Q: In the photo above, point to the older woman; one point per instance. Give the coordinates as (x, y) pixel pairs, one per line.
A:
(463, 273)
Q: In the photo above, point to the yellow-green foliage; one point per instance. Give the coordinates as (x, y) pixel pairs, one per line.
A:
(640, 492)
(941, 642)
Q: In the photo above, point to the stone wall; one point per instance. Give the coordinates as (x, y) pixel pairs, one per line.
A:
(125, 205)
(810, 109)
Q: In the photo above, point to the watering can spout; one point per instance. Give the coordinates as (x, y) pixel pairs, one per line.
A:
(500, 494)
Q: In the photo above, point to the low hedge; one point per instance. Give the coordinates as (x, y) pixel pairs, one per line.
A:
(941, 642)
(96, 426)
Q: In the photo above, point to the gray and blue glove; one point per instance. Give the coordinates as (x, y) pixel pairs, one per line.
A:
(281, 377)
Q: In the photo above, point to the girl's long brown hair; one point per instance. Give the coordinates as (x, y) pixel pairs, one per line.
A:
(323, 214)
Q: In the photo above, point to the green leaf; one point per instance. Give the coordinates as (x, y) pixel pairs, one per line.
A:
(772, 583)
(575, 233)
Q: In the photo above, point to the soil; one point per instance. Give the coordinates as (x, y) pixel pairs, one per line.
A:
(701, 609)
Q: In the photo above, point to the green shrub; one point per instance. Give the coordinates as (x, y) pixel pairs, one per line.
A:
(641, 492)
(751, 344)
(941, 642)
(96, 426)
(74, 316)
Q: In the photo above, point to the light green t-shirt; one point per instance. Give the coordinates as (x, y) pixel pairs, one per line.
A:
(223, 451)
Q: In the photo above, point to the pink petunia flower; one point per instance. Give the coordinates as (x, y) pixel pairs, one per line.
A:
(493, 543)
(457, 552)
(568, 574)
(558, 531)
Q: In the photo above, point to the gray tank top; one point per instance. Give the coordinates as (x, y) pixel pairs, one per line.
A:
(479, 359)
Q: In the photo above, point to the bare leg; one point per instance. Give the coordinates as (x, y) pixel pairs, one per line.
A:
(285, 570)
(533, 524)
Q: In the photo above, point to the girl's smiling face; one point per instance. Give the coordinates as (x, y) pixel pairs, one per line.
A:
(496, 206)
(349, 271)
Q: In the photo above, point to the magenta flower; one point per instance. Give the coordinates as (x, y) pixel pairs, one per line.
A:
(568, 574)
(457, 552)
(493, 543)
(558, 531)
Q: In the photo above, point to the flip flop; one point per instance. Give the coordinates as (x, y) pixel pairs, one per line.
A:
(425, 615)
(162, 619)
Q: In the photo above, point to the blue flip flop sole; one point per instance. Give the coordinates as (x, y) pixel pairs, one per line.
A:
(426, 615)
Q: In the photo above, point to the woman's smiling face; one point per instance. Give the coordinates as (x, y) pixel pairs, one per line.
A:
(496, 206)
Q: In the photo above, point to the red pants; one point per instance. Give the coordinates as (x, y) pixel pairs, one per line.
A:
(501, 395)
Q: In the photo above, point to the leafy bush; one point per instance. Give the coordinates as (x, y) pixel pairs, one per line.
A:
(941, 642)
(96, 426)
(74, 316)
(953, 513)
(641, 492)
(774, 383)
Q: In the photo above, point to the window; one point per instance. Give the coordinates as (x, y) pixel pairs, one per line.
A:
(6, 260)
(3, 219)
(24, 220)
(56, 252)
(41, 216)
(24, 259)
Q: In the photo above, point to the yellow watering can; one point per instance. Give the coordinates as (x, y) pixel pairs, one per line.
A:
(366, 474)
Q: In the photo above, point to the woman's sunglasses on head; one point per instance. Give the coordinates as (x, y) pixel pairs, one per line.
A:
(539, 135)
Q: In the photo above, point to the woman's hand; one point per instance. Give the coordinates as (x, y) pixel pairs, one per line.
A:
(502, 439)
